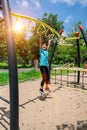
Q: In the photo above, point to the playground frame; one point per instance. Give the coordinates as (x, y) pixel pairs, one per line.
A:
(71, 77)
(13, 74)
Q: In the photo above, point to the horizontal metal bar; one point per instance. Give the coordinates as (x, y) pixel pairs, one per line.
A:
(5, 100)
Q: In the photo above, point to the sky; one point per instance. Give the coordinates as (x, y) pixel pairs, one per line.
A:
(68, 11)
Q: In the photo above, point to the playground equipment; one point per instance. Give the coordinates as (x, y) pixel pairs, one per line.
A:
(13, 76)
(83, 33)
(32, 22)
(71, 76)
(73, 69)
(78, 50)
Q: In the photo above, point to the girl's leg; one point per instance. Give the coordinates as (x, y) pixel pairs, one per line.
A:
(42, 69)
(47, 80)
(42, 84)
(47, 87)
(44, 80)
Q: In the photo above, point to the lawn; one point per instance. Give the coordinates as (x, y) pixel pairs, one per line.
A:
(22, 76)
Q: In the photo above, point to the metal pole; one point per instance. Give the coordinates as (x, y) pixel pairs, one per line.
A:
(52, 54)
(78, 57)
(83, 34)
(53, 50)
(13, 75)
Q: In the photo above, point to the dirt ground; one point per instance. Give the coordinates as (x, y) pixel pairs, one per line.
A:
(64, 108)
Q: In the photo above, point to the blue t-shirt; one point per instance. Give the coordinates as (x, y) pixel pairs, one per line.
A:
(43, 57)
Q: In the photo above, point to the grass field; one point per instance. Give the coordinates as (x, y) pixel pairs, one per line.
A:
(22, 76)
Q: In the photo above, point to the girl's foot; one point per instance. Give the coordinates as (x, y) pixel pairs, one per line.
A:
(47, 89)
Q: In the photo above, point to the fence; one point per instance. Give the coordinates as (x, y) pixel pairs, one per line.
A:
(70, 77)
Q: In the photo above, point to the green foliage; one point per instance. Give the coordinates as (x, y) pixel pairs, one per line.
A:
(22, 47)
(24, 76)
(3, 65)
(53, 21)
(64, 54)
(76, 26)
(3, 45)
(34, 47)
(83, 54)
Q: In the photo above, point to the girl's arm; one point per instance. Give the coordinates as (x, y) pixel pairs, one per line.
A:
(40, 39)
(49, 42)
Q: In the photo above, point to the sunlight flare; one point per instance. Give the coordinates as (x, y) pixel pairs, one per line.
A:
(18, 27)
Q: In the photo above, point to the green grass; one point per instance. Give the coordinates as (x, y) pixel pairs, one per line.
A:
(22, 76)
(4, 78)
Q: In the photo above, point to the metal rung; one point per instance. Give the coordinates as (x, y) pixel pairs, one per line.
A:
(5, 100)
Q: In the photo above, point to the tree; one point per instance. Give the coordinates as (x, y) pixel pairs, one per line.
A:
(64, 54)
(83, 53)
(53, 21)
(75, 26)
(22, 47)
(3, 45)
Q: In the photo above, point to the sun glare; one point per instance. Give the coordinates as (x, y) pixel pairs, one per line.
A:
(18, 27)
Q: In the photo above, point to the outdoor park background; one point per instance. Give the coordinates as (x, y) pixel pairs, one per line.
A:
(65, 15)
(64, 108)
(27, 47)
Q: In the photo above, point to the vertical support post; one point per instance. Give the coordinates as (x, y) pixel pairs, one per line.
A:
(53, 50)
(83, 34)
(83, 84)
(52, 53)
(13, 76)
(78, 56)
(74, 78)
(55, 75)
(61, 77)
(67, 77)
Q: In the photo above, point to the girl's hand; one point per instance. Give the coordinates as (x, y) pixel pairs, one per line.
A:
(49, 36)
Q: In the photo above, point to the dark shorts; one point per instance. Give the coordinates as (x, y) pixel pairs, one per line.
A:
(45, 72)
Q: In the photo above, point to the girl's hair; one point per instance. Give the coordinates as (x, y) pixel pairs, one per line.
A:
(45, 42)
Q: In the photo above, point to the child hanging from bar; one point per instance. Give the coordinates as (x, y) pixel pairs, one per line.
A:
(44, 65)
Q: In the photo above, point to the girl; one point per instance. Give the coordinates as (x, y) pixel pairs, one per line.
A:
(44, 64)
